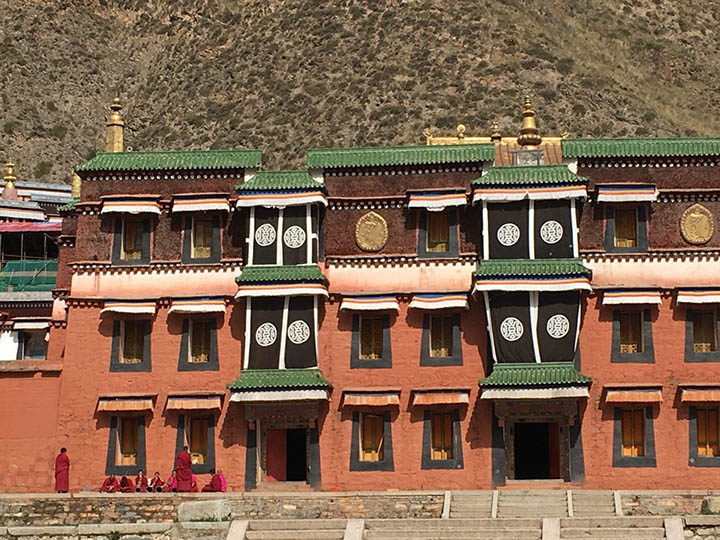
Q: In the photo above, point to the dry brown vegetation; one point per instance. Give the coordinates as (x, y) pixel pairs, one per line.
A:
(285, 75)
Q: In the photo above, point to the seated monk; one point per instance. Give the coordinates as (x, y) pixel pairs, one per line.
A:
(223, 483)
(215, 483)
(193, 484)
(110, 485)
(141, 482)
(156, 483)
(126, 485)
(171, 484)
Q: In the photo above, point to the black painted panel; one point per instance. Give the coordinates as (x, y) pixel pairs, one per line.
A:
(512, 304)
(265, 254)
(560, 304)
(498, 215)
(294, 216)
(300, 355)
(547, 212)
(265, 310)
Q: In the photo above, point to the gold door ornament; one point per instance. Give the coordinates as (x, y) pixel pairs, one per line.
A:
(697, 224)
(371, 232)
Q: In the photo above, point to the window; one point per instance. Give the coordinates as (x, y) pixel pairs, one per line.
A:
(633, 433)
(32, 344)
(704, 331)
(200, 334)
(441, 426)
(707, 432)
(631, 339)
(371, 338)
(441, 336)
(133, 341)
(371, 437)
(196, 433)
(132, 236)
(438, 232)
(625, 233)
(202, 232)
(127, 444)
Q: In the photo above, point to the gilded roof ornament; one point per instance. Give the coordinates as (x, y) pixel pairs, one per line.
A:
(115, 118)
(495, 134)
(9, 174)
(461, 131)
(529, 134)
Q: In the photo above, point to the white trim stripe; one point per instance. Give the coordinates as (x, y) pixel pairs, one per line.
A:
(201, 204)
(504, 194)
(280, 199)
(535, 393)
(370, 303)
(278, 395)
(612, 297)
(143, 307)
(439, 301)
(198, 305)
(436, 201)
(31, 325)
(32, 215)
(565, 284)
(130, 206)
(626, 193)
(698, 296)
(289, 289)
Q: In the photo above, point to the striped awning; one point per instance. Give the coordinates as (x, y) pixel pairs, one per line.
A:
(31, 325)
(130, 205)
(439, 301)
(371, 398)
(22, 213)
(280, 289)
(536, 393)
(699, 394)
(631, 296)
(125, 403)
(198, 305)
(698, 296)
(440, 397)
(200, 202)
(265, 396)
(140, 307)
(633, 395)
(274, 199)
(580, 283)
(540, 193)
(370, 303)
(193, 403)
(626, 193)
(435, 201)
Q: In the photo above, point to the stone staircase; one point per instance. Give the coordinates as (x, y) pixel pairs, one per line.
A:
(532, 503)
(471, 504)
(295, 529)
(453, 529)
(593, 503)
(625, 528)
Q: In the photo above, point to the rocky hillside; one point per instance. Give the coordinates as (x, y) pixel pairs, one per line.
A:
(284, 75)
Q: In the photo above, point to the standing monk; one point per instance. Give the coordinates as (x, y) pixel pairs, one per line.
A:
(62, 471)
(183, 465)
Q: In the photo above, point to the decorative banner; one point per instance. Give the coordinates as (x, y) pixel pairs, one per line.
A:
(371, 232)
(436, 201)
(439, 301)
(698, 296)
(300, 347)
(198, 305)
(200, 202)
(697, 224)
(130, 205)
(140, 307)
(370, 303)
(626, 193)
(631, 296)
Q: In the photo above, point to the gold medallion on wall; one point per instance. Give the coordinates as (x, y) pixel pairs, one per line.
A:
(371, 232)
(697, 224)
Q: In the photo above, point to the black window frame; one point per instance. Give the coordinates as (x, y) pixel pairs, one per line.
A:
(209, 465)
(386, 464)
(184, 363)
(117, 259)
(21, 344)
(690, 355)
(385, 361)
(115, 364)
(111, 467)
(456, 358)
(694, 459)
(647, 356)
(216, 249)
(642, 230)
(453, 240)
(648, 460)
(457, 460)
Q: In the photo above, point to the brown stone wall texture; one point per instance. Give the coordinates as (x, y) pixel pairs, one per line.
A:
(384, 185)
(663, 177)
(92, 190)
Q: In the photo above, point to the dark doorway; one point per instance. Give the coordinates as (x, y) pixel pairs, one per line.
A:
(537, 452)
(296, 455)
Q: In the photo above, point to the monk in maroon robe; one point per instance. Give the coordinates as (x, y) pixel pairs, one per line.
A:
(215, 483)
(62, 471)
(126, 485)
(110, 485)
(156, 483)
(141, 482)
(183, 466)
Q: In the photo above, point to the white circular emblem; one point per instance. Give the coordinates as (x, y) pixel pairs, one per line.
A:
(551, 232)
(294, 237)
(265, 235)
(511, 329)
(558, 326)
(298, 332)
(508, 234)
(266, 334)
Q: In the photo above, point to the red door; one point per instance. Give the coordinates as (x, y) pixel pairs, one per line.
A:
(275, 455)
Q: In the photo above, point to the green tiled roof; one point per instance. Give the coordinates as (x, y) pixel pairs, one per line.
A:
(178, 160)
(281, 274)
(529, 176)
(262, 379)
(281, 181)
(29, 275)
(533, 374)
(69, 206)
(531, 267)
(641, 147)
(377, 156)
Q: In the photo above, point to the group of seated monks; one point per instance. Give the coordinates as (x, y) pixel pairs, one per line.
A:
(156, 484)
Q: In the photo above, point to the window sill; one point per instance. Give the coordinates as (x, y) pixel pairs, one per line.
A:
(30, 366)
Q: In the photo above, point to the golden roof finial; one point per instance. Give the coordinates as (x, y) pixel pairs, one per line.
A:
(529, 134)
(495, 134)
(9, 174)
(115, 126)
(461, 131)
(115, 118)
(76, 184)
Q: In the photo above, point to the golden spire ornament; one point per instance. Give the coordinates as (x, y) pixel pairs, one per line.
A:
(9, 175)
(529, 134)
(495, 135)
(76, 184)
(115, 127)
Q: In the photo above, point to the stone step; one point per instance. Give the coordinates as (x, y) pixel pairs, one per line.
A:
(612, 532)
(613, 522)
(469, 523)
(450, 534)
(296, 524)
(533, 514)
(301, 534)
(466, 515)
